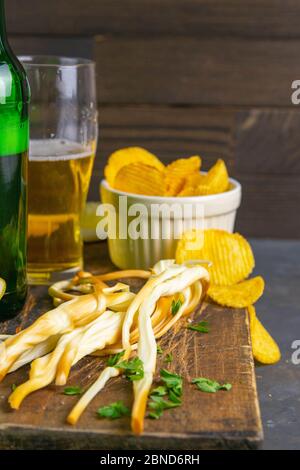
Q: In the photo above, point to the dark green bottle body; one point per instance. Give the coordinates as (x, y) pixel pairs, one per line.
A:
(14, 142)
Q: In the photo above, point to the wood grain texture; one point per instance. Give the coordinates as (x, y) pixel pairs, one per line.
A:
(268, 142)
(252, 18)
(221, 420)
(270, 206)
(48, 45)
(196, 70)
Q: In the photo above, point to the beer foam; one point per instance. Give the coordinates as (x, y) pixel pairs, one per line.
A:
(41, 150)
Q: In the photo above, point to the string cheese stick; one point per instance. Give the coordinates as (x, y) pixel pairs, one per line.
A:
(99, 334)
(4, 337)
(76, 312)
(145, 291)
(42, 372)
(36, 351)
(147, 352)
(124, 274)
(99, 384)
(69, 350)
(160, 319)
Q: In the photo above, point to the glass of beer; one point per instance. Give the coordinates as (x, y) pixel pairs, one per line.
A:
(63, 138)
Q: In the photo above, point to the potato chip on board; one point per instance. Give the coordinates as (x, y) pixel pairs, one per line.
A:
(239, 295)
(126, 156)
(230, 253)
(265, 349)
(139, 178)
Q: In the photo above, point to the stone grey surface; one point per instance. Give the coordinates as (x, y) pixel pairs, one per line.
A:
(278, 261)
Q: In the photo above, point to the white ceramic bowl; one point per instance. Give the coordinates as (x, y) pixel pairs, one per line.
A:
(219, 211)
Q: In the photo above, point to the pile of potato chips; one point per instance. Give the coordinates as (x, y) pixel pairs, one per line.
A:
(232, 262)
(135, 170)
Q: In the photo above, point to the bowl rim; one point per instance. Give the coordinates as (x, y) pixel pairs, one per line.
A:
(236, 190)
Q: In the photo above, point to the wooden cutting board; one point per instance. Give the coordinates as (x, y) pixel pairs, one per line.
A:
(204, 421)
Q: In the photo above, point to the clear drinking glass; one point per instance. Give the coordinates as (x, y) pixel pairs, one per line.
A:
(63, 139)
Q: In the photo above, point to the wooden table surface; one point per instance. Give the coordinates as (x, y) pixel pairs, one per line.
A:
(222, 420)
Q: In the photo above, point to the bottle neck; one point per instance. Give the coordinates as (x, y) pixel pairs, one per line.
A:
(3, 37)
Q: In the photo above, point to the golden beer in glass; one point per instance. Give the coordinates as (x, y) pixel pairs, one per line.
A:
(61, 157)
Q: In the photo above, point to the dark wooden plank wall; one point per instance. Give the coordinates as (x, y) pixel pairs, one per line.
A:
(189, 76)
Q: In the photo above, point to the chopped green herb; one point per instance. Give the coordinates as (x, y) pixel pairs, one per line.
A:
(113, 360)
(202, 327)
(158, 405)
(159, 350)
(160, 391)
(73, 390)
(172, 381)
(172, 388)
(134, 368)
(176, 304)
(154, 414)
(173, 397)
(113, 411)
(169, 358)
(210, 386)
(13, 387)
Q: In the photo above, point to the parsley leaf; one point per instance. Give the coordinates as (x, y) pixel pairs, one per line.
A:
(159, 350)
(172, 387)
(133, 369)
(154, 414)
(113, 411)
(210, 386)
(169, 358)
(173, 397)
(73, 390)
(202, 327)
(158, 405)
(113, 360)
(160, 391)
(172, 381)
(176, 304)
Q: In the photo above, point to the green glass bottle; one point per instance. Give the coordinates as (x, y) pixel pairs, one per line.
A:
(14, 138)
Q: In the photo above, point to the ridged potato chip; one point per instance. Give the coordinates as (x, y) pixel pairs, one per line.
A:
(188, 191)
(191, 183)
(139, 178)
(217, 177)
(230, 253)
(239, 295)
(174, 185)
(178, 171)
(184, 166)
(215, 181)
(195, 179)
(128, 155)
(265, 350)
